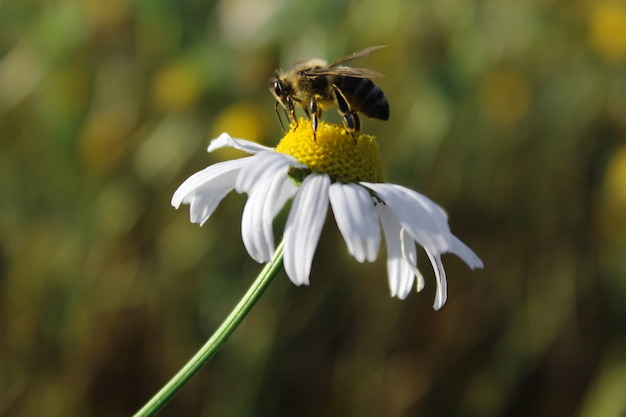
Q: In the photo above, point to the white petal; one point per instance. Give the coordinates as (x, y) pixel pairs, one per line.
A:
(446, 241)
(399, 270)
(266, 199)
(304, 226)
(426, 223)
(422, 218)
(205, 189)
(226, 141)
(464, 252)
(410, 256)
(441, 294)
(265, 164)
(356, 218)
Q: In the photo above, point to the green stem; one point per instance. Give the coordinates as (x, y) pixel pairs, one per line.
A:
(217, 339)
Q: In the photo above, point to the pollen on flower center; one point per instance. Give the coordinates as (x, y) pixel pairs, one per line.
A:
(334, 152)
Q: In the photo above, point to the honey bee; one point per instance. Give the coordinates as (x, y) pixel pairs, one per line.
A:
(315, 86)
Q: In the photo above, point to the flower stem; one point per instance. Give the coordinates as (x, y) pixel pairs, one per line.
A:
(217, 339)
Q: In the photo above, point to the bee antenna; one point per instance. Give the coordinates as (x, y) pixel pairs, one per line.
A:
(280, 119)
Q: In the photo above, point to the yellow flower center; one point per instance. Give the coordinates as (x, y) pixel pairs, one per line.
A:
(334, 152)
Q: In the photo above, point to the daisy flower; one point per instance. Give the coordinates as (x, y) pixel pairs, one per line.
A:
(336, 170)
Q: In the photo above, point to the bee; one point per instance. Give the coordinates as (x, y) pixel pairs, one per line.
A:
(316, 86)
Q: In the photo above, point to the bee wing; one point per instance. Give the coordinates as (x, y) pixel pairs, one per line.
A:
(346, 72)
(356, 55)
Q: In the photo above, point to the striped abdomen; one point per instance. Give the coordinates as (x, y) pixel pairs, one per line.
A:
(364, 96)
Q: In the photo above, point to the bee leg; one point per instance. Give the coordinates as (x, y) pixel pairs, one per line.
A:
(291, 110)
(315, 114)
(288, 117)
(352, 123)
(308, 116)
(351, 120)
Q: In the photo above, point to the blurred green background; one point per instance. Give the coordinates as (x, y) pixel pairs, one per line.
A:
(511, 115)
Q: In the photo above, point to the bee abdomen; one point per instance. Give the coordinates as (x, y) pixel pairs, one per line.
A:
(364, 96)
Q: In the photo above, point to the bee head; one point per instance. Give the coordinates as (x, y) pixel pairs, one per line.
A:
(277, 87)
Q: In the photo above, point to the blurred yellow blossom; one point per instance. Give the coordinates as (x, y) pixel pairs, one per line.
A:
(176, 86)
(607, 32)
(614, 196)
(242, 120)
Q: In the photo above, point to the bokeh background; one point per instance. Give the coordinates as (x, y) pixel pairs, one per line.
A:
(511, 115)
